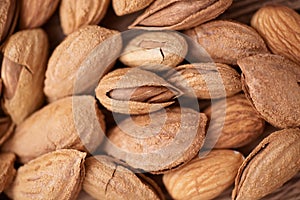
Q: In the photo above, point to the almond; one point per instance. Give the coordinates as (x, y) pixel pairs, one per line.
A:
(70, 123)
(76, 14)
(272, 163)
(227, 41)
(56, 175)
(282, 38)
(204, 177)
(7, 173)
(35, 13)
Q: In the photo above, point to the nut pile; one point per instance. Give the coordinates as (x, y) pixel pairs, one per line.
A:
(150, 99)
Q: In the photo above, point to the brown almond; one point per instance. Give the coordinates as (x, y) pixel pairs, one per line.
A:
(242, 124)
(158, 142)
(204, 177)
(7, 172)
(88, 53)
(7, 127)
(272, 163)
(135, 91)
(70, 123)
(35, 13)
(227, 41)
(76, 14)
(206, 80)
(107, 178)
(179, 14)
(289, 190)
(281, 37)
(271, 83)
(124, 7)
(23, 72)
(56, 175)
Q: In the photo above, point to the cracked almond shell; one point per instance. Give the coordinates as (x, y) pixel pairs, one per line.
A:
(158, 142)
(69, 123)
(77, 63)
(204, 177)
(227, 41)
(155, 48)
(107, 178)
(179, 14)
(117, 91)
(272, 163)
(280, 27)
(7, 172)
(271, 83)
(23, 72)
(76, 14)
(56, 175)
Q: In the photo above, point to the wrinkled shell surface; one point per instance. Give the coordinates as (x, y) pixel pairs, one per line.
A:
(56, 175)
(228, 41)
(272, 163)
(70, 123)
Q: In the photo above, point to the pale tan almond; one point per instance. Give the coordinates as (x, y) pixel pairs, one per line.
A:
(158, 142)
(107, 178)
(23, 73)
(77, 63)
(7, 172)
(155, 50)
(56, 175)
(70, 123)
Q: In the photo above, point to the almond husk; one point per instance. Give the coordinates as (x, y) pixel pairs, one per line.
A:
(160, 93)
(107, 178)
(124, 7)
(227, 41)
(158, 142)
(23, 72)
(179, 14)
(7, 173)
(271, 83)
(259, 174)
(77, 63)
(70, 123)
(56, 175)
(155, 50)
(242, 124)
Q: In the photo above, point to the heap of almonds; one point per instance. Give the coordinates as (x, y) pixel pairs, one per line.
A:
(150, 99)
